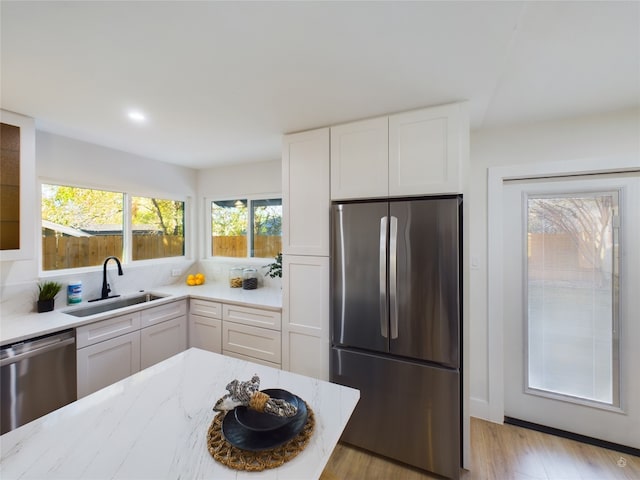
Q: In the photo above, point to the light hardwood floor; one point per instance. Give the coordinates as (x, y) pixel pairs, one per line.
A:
(500, 452)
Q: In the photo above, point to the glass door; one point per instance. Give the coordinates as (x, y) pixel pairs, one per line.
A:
(572, 265)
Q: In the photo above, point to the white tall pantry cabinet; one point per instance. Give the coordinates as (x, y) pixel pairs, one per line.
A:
(305, 248)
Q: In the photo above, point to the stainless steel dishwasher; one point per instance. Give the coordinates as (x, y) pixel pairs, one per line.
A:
(37, 377)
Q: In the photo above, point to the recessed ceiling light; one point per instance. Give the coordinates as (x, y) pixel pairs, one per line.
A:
(137, 116)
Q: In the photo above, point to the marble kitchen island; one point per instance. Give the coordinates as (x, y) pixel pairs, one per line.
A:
(154, 424)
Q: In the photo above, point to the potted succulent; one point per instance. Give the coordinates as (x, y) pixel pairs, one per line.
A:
(275, 268)
(47, 292)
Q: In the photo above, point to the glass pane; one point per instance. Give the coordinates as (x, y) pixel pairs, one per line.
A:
(80, 226)
(157, 228)
(9, 187)
(229, 221)
(571, 274)
(267, 227)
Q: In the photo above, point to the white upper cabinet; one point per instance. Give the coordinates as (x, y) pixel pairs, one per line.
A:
(359, 159)
(305, 193)
(18, 187)
(412, 153)
(425, 150)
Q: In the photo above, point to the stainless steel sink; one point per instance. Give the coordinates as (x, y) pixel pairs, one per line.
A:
(109, 305)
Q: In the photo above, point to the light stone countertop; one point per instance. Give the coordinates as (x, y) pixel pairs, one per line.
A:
(153, 425)
(19, 327)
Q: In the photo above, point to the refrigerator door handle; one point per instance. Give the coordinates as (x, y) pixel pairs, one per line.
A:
(393, 250)
(384, 328)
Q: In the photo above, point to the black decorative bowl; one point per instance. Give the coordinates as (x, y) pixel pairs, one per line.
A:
(254, 440)
(263, 422)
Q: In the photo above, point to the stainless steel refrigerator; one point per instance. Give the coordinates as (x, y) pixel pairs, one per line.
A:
(396, 327)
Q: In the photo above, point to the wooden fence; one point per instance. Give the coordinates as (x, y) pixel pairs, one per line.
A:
(73, 252)
(562, 257)
(264, 246)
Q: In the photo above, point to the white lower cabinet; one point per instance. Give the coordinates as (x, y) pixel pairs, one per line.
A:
(205, 325)
(113, 349)
(107, 362)
(238, 331)
(205, 333)
(305, 315)
(163, 340)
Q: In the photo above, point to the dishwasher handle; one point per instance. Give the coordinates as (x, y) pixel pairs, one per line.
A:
(37, 351)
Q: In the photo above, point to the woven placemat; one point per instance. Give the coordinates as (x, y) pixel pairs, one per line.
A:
(233, 457)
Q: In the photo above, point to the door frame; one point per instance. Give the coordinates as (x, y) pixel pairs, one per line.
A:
(495, 281)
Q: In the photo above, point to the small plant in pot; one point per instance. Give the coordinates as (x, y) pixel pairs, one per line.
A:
(47, 292)
(275, 268)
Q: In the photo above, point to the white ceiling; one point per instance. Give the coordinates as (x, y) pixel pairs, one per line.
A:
(222, 81)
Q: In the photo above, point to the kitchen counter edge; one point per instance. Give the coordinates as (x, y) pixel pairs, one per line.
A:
(20, 327)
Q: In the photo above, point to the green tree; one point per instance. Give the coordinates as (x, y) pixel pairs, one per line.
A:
(267, 220)
(166, 215)
(84, 208)
(229, 218)
(81, 207)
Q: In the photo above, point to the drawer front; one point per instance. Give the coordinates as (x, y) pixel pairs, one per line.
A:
(252, 316)
(205, 308)
(254, 342)
(251, 359)
(106, 329)
(162, 313)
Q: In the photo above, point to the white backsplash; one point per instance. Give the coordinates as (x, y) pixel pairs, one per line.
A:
(218, 271)
(20, 298)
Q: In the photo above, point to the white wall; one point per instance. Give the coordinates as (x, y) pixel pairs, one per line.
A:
(247, 178)
(600, 137)
(67, 161)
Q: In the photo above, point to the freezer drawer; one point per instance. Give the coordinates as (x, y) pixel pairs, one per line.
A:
(407, 411)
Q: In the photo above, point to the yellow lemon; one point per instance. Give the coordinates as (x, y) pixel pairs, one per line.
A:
(199, 278)
(191, 280)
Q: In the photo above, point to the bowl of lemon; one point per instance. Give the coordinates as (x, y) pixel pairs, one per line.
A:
(195, 279)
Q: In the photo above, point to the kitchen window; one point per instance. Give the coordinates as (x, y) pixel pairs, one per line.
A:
(157, 227)
(246, 227)
(83, 226)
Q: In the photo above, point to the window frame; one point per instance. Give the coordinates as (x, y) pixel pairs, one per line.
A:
(207, 244)
(127, 233)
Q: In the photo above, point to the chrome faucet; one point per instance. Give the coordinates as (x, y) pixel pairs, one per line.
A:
(106, 288)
